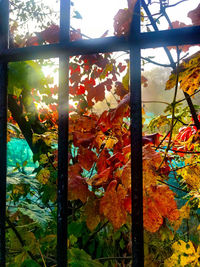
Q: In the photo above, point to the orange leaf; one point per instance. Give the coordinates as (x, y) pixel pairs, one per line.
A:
(151, 161)
(164, 199)
(152, 219)
(86, 158)
(121, 109)
(100, 179)
(101, 162)
(78, 188)
(112, 205)
(126, 175)
(158, 202)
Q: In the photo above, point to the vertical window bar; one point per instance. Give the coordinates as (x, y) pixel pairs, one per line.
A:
(63, 95)
(3, 125)
(136, 141)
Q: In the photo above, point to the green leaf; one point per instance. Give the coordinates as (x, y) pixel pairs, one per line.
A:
(39, 215)
(30, 263)
(25, 76)
(79, 258)
(14, 128)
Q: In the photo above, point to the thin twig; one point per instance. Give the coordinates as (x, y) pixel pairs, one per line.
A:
(12, 226)
(115, 258)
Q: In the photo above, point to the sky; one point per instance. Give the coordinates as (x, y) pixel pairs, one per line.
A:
(97, 17)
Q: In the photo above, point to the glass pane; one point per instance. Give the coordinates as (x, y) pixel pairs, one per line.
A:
(99, 225)
(34, 22)
(171, 126)
(32, 163)
(94, 19)
(168, 14)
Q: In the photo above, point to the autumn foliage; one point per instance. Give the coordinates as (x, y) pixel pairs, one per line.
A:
(99, 159)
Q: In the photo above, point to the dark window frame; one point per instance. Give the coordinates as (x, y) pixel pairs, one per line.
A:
(63, 50)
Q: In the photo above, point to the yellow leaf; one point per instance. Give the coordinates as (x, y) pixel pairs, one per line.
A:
(189, 75)
(191, 176)
(184, 212)
(91, 211)
(110, 142)
(183, 255)
(125, 79)
(43, 176)
(107, 69)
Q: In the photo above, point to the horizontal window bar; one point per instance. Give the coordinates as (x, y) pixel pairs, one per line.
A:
(182, 36)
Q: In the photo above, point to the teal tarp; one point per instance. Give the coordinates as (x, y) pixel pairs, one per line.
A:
(19, 151)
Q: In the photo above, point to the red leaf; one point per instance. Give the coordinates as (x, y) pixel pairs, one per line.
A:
(50, 34)
(151, 139)
(100, 179)
(194, 15)
(86, 158)
(78, 188)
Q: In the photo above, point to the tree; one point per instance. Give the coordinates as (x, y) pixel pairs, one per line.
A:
(99, 196)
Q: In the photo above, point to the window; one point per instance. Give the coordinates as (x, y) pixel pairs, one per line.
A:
(134, 43)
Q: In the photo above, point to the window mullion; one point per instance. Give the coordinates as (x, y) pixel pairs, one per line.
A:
(136, 141)
(63, 97)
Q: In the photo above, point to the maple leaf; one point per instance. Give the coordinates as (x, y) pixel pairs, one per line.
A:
(117, 160)
(164, 199)
(75, 35)
(112, 205)
(78, 123)
(50, 34)
(152, 219)
(126, 175)
(151, 139)
(110, 142)
(101, 162)
(118, 113)
(100, 179)
(86, 158)
(120, 89)
(83, 139)
(91, 211)
(97, 92)
(158, 202)
(189, 77)
(123, 18)
(191, 176)
(77, 188)
(194, 15)
(75, 169)
(151, 162)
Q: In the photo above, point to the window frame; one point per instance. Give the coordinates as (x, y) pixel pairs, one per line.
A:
(63, 50)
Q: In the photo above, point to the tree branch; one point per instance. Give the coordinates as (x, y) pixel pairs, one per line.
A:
(12, 226)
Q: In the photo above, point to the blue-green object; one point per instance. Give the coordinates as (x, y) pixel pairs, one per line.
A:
(18, 152)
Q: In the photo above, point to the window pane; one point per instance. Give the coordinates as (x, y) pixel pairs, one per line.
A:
(99, 226)
(171, 155)
(34, 22)
(169, 14)
(95, 18)
(32, 163)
